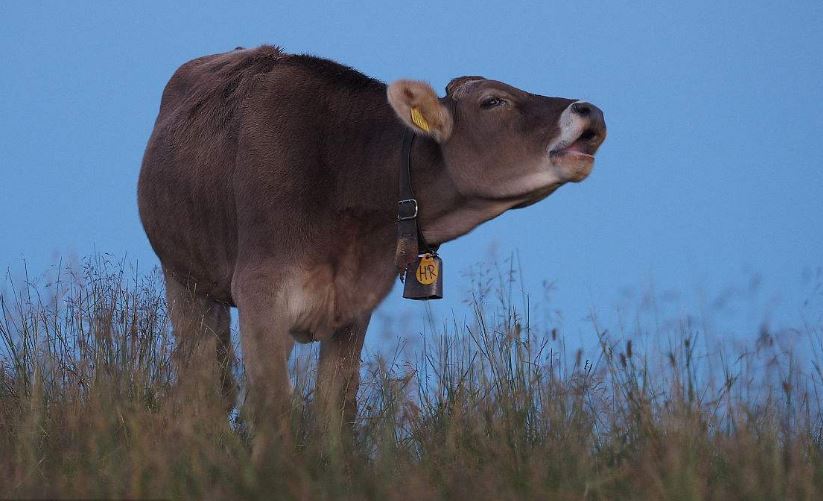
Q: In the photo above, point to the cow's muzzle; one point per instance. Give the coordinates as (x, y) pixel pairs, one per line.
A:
(582, 131)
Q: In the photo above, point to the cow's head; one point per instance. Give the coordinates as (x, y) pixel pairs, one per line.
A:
(500, 143)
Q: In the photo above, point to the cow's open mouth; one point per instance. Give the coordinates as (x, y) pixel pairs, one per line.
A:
(575, 159)
(582, 148)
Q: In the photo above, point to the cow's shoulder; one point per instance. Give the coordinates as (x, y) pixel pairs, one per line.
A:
(331, 72)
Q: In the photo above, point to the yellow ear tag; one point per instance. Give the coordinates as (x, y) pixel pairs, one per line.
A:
(419, 120)
(427, 270)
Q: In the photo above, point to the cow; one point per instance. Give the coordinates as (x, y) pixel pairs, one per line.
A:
(270, 183)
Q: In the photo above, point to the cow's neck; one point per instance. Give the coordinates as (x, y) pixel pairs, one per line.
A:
(445, 214)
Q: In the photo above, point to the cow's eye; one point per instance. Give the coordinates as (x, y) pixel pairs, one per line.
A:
(491, 102)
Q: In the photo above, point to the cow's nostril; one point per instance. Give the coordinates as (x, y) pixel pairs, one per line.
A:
(588, 135)
(582, 109)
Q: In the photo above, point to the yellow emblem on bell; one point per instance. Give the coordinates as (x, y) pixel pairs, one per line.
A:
(419, 120)
(427, 270)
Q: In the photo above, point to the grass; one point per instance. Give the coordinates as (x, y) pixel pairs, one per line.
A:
(496, 408)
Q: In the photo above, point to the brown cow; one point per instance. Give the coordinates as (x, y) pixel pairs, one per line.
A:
(270, 183)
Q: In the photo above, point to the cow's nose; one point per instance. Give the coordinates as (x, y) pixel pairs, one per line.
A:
(596, 127)
(590, 111)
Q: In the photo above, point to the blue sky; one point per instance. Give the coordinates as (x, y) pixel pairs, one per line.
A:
(708, 184)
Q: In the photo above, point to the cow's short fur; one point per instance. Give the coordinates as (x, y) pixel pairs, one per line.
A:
(270, 183)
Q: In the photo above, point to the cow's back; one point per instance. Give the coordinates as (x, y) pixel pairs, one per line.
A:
(186, 204)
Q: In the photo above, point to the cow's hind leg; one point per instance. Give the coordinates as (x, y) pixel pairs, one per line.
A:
(203, 357)
(266, 342)
(338, 376)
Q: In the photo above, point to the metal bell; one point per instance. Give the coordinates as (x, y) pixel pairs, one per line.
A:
(425, 280)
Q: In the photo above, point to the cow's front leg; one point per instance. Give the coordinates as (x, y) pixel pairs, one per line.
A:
(266, 343)
(338, 375)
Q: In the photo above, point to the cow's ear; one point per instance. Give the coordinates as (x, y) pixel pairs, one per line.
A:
(417, 105)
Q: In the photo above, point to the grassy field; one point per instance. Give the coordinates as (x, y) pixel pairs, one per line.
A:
(498, 408)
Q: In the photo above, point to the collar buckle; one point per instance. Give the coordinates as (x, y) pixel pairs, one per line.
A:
(407, 209)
